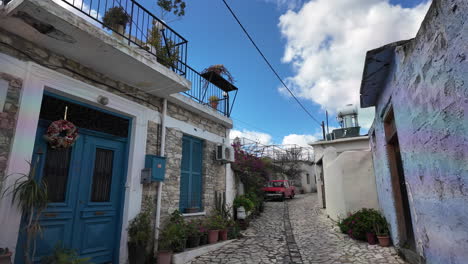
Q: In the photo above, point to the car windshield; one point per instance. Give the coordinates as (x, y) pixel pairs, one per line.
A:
(275, 184)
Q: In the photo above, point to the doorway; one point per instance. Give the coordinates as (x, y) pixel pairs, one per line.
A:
(403, 210)
(85, 182)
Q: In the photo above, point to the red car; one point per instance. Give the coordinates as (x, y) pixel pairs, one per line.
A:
(279, 189)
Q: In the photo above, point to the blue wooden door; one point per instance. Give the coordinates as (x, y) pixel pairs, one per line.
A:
(191, 173)
(84, 186)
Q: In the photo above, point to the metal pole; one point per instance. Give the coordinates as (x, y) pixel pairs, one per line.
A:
(323, 130)
(328, 132)
(160, 184)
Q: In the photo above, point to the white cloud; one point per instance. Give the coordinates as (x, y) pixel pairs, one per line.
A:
(327, 41)
(301, 140)
(262, 138)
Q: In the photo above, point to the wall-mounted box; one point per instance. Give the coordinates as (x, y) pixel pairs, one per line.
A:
(157, 167)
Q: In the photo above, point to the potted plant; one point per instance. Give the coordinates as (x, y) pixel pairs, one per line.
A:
(203, 235)
(116, 19)
(382, 232)
(217, 69)
(193, 234)
(214, 101)
(139, 235)
(31, 196)
(173, 238)
(5, 256)
(167, 52)
(214, 224)
(62, 255)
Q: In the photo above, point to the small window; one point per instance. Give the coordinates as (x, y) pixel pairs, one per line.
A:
(55, 173)
(308, 178)
(102, 178)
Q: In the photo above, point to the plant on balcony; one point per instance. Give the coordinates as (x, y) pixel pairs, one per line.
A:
(116, 19)
(220, 70)
(167, 52)
(214, 101)
(31, 196)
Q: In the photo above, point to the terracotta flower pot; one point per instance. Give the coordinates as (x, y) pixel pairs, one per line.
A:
(371, 239)
(164, 257)
(384, 241)
(213, 236)
(214, 104)
(223, 234)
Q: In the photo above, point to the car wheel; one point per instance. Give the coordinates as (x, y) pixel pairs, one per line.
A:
(283, 198)
(292, 196)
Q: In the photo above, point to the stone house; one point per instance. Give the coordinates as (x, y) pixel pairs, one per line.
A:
(133, 110)
(345, 178)
(419, 88)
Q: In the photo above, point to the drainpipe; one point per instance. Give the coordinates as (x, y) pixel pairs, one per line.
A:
(160, 184)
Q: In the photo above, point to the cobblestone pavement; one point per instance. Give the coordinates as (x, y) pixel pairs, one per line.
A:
(320, 240)
(264, 241)
(297, 231)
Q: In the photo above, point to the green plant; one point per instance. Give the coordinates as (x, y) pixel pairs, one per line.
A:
(140, 230)
(215, 222)
(167, 51)
(360, 223)
(380, 226)
(116, 16)
(174, 235)
(213, 98)
(220, 206)
(31, 197)
(62, 255)
(245, 202)
(193, 228)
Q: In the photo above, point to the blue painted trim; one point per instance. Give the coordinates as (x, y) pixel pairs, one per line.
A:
(51, 94)
(125, 167)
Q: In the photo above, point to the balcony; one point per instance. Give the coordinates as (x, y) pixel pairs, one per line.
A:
(145, 53)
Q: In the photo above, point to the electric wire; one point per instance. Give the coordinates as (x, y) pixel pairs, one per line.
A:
(268, 63)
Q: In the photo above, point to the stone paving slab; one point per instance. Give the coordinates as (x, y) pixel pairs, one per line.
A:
(297, 231)
(320, 240)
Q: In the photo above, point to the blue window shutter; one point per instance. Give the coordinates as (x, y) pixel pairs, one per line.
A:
(191, 173)
(197, 164)
(185, 174)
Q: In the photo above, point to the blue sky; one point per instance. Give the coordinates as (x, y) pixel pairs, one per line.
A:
(215, 38)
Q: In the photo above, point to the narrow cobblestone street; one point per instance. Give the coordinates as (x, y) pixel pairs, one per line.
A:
(297, 231)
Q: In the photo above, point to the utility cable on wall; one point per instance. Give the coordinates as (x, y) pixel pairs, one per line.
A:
(269, 64)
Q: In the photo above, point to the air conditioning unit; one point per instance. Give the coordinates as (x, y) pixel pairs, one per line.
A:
(225, 153)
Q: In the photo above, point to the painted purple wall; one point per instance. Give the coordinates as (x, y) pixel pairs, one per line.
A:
(428, 88)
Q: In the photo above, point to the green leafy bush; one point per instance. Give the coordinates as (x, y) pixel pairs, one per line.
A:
(245, 202)
(62, 255)
(174, 235)
(215, 222)
(359, 223)
(116, 16)
(140, 230)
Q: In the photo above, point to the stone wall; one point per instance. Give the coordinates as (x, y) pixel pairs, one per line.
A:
(196, 120)
(428, 89)
(8, 117)
(213, 174)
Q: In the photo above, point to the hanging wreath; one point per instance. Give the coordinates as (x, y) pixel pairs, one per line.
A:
(61, 134)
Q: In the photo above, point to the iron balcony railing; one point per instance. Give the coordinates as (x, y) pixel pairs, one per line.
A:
(203, 89)
(146, 31)
(142, 29)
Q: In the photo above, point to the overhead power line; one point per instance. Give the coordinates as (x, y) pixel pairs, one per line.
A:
(269, 64)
